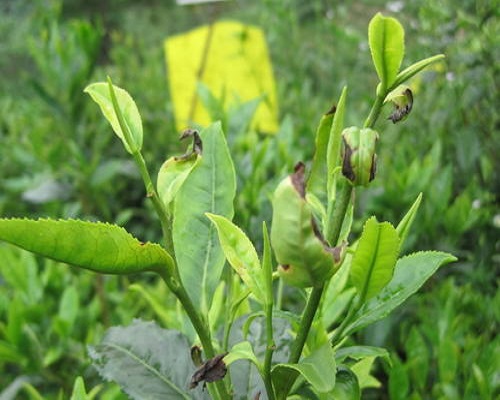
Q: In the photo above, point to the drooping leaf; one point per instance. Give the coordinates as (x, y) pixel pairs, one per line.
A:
(346, 385)
(147, 362)
(100, 247)
(406, 222)
(100, 93)
(172, 175)
(240, 254)
(410, 273)
(212, 370)
(209, 188)
(386, 39)
(414, 69)
(375, 257)
(318, 369)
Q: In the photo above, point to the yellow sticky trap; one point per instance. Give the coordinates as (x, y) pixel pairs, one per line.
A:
(232, 60)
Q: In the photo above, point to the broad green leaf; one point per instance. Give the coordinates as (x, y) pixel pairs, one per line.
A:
(69, 306)
(172, 175)
(147, 362)
(346, 385)
(334, 144)
(241, 351)
(210, 187)
(373, 262)
(240, 254)
(359, 352)
(406, 222)
(79, 392)
(100, 93)
(317, 180)
(414, 69)
(410, 273)
(100, 247)
(318, 369)
(447, 360)
(386, 39)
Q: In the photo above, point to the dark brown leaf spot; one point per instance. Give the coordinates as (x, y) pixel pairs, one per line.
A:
(400, 112)
(285, 267)
(347, 170)
(196, 355)
(298, 179)
(197, 144)
(211, 370)
(332, 110)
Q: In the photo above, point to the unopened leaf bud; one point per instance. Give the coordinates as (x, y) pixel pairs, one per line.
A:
(359, 158)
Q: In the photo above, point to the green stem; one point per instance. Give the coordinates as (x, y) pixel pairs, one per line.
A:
(159, 206)
(375, 111)
(300, 340)
(269, 352)
(347, 320)
(337, 214)
(200, 326)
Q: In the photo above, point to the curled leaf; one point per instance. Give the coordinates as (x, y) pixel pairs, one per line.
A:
(211, 370)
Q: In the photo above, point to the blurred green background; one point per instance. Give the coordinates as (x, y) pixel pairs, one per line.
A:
(58, 158)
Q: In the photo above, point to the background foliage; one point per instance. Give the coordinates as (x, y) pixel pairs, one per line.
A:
(58, 159)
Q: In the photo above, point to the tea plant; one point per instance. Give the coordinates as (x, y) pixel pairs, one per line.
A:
(232, 335)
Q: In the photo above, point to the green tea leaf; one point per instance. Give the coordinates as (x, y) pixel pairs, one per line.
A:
(362, 370)
(267, 266)
(100, 247)
(346, 385)
(79, 392)
(375, 257)
(316, 182)
(209, 188)
(418, 358)
(240, 254)
(241, 351)
(414, 69)
(399, 384)
(406, 222)
(172, 175)
(410, 273)
(359, 352)
(386, 39)
(100, 93)
(318, 369)
(147, 362)
(334, 144)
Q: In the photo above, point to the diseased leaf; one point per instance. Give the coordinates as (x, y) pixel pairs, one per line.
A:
(209, 188)
(318, 369)
(386, 39)
(410, 273)
(211, 370)
(172, 175)
(374, 259)
(240, 254)
(147, 362)
(100, 247)
(100, 93)
(414, 69)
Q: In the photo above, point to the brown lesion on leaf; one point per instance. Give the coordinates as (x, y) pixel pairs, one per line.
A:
(214, 369)
(332, 110)
(401, 112)
(347, 169)
(298, 179)
(197, 148)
